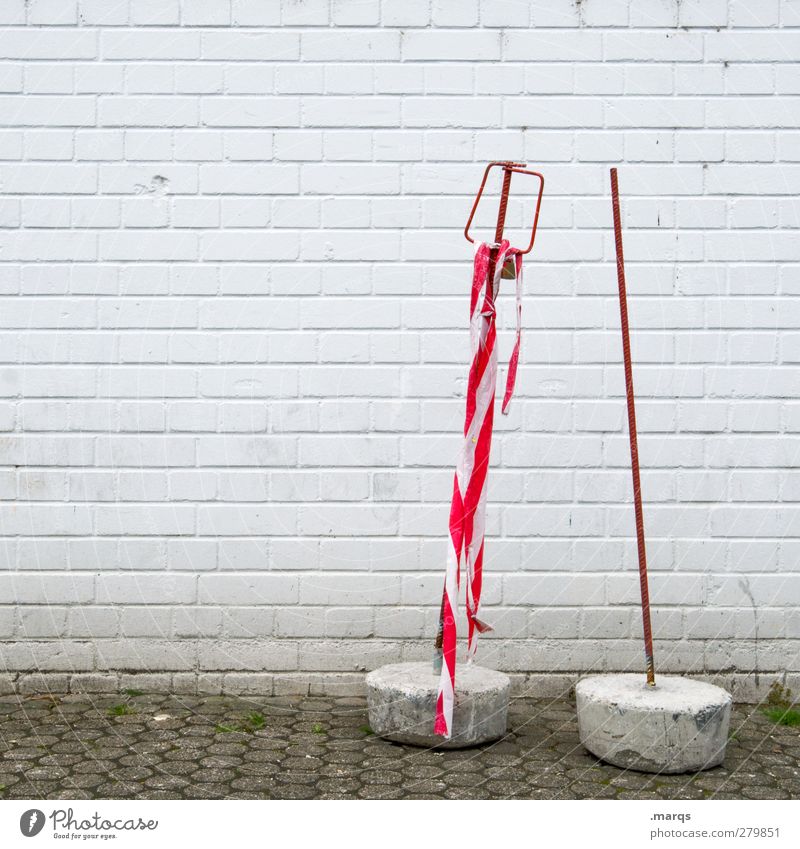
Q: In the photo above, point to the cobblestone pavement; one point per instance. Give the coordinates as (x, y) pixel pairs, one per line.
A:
(138, 746)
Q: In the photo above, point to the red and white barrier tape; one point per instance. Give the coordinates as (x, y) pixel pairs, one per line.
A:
(468, 507)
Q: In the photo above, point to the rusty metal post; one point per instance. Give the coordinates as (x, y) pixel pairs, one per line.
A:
(637, 488)
(501, 223)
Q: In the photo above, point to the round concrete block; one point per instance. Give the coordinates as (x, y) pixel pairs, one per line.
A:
(401, 701)
(680, 725)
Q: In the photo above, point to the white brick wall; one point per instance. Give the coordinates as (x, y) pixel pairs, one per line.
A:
(233, 342)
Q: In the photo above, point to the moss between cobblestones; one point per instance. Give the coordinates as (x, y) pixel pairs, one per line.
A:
(783, 716)
(123, 709)
(255, 720)
(780, 706)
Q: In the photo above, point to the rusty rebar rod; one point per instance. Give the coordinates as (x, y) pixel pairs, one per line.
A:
(501, 223)
(637, 488)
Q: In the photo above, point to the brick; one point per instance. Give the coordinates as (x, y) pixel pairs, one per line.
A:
(155, 12)
(100, 12)
(583, 45)
(672, 46)
(51, 111)
(147, 111)
(233, 589)
(241, 46)
(246, 520)
(148, 44)
(44, 589)
(44, 43)
(264, 112)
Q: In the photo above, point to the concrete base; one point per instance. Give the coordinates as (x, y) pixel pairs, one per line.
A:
(401, 701)
(680, 725)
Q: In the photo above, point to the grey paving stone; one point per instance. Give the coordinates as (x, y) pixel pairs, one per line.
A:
(68, 746)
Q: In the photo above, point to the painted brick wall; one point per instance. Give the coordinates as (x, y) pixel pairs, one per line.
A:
(233, 334)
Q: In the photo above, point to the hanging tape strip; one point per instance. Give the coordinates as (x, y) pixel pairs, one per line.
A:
(513, 362)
